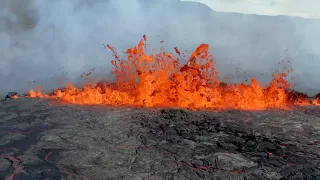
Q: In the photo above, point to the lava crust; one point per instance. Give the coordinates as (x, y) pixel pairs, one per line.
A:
(47, 139)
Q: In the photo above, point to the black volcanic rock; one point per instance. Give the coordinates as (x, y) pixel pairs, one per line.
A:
(223, 145)
(295, 96)
(43, 140)
(11, 95)
(317, 96)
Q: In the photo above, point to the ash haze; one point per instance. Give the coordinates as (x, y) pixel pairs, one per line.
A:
(55, 41)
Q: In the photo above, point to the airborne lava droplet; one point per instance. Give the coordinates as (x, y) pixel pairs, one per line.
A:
(113, 50)
(159, 80)
(177, 50)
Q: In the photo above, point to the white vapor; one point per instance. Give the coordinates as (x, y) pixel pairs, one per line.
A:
(48, 41)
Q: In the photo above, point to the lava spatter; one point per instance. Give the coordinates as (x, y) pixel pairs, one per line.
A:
(159, 80)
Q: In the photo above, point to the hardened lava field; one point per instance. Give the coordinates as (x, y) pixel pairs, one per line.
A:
(43, 138)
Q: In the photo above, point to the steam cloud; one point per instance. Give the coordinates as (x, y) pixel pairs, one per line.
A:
(55, 41)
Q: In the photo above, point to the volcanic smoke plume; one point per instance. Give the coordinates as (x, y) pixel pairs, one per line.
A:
(52, 42)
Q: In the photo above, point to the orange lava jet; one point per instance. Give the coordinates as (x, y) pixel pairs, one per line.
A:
(159, 80)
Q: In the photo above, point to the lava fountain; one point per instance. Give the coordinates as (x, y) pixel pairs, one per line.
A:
(159, 80)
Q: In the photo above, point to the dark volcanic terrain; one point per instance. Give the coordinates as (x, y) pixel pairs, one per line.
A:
(44, 139)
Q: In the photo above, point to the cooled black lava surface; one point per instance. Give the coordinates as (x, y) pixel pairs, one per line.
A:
(42, 139)
(209, 147)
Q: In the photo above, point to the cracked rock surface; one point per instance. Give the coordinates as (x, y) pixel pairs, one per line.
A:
(46, 139)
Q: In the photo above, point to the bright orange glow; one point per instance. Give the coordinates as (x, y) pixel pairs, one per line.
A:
(159, 80)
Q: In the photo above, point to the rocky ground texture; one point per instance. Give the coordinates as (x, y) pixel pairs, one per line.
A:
(46, 139)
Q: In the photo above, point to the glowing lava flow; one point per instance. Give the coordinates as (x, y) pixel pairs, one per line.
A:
(157, 80)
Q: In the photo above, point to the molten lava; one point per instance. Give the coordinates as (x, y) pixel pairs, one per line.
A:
(158, 80)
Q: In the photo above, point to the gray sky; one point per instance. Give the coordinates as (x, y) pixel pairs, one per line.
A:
(301, 8)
